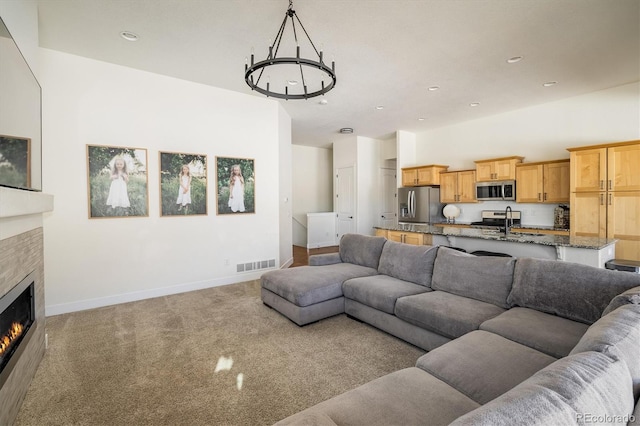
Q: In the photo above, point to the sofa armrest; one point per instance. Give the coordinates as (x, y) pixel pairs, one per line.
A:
(324, 259)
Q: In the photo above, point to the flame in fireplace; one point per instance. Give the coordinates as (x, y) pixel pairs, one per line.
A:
(14, 332)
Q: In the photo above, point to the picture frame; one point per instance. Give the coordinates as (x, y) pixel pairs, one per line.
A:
(235, 195)
(15, 161)
(183, 184)
(117, 182)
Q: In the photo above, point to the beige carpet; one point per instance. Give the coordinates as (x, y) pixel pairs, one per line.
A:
(216, 357)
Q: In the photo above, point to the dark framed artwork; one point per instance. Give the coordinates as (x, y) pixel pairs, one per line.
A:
(117, 181)
(15, 161)
(183, 184)
(235, 185)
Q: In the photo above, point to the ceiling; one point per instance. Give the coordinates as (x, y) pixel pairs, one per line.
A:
(387, 52)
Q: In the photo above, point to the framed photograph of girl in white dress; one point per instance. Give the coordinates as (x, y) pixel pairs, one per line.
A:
(235, 185)
(183, 184)
(15, 161)
(117, 181)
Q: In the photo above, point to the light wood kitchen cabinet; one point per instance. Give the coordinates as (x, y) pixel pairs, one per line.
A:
(605, 195)
(543, 182)
(623, 223)
(588, 170)
(497, 169)
(381, 232)
(588, 214)
(458, 187)
(422, 175)
(414, 238)
(606, 168)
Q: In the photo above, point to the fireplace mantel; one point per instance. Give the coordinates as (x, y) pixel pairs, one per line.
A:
(21, 211)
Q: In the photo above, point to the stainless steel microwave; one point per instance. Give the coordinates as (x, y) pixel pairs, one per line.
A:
(496, 191)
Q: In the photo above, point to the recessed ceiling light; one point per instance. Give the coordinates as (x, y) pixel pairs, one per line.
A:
(474, 104)
(421, 119)
(550, 83)
(433, 88)
(514, 59)
(292, 82)
(380, 107)
(346, 130)
(323, 102)
(129, 36)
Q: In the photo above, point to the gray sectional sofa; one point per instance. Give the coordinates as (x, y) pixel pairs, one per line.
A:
(509, 341)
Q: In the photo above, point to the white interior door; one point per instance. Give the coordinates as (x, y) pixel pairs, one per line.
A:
(345, 200)
(388, 198)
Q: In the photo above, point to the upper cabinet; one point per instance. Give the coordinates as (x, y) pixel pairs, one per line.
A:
(422, 175)
(589, 170)
(613, 168)
(497, 169)
(543, 182)
(458, 187)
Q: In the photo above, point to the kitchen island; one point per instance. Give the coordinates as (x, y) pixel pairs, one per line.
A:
(584, 250)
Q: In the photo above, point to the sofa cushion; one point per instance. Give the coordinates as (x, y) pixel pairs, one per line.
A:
(578, 389)
(380, 291)
(618, 335)
(362, 250)
(570, 290)
(483, 365)
(487, 279)
(629, 297)
(409, 397)
(408, 262)
(324, 259)
(445, 313)
(553, 335)
(306, 285)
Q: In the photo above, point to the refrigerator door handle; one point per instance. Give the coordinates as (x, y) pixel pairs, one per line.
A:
(413, 204)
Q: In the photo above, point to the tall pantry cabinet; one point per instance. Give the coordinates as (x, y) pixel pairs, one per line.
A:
(605, 195)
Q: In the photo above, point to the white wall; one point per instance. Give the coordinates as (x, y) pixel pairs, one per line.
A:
(364, 154)
(538, 133)
(312, 187)
(95, 262)
(286, 189)
(368, 184)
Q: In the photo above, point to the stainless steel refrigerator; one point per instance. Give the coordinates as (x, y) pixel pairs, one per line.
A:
(419, 205)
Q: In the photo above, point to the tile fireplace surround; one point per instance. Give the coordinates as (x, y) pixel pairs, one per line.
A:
(21, 252)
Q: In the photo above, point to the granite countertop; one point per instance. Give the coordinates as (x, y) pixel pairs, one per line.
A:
(487, 234)
(533, 227)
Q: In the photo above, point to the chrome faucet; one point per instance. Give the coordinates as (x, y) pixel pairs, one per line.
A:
(508, 220)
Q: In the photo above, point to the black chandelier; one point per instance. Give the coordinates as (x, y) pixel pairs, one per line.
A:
(284, 72)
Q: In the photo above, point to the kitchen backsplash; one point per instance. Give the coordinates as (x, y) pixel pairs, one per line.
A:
(532, 214)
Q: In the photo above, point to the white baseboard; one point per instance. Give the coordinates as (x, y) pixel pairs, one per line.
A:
(287, 263)
(82, 305)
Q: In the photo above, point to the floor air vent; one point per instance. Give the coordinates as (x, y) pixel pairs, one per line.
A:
(253, 266)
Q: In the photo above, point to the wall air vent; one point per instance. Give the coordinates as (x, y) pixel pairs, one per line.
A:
(253, 266)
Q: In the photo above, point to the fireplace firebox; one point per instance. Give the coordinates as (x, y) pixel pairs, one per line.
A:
(17, 316)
